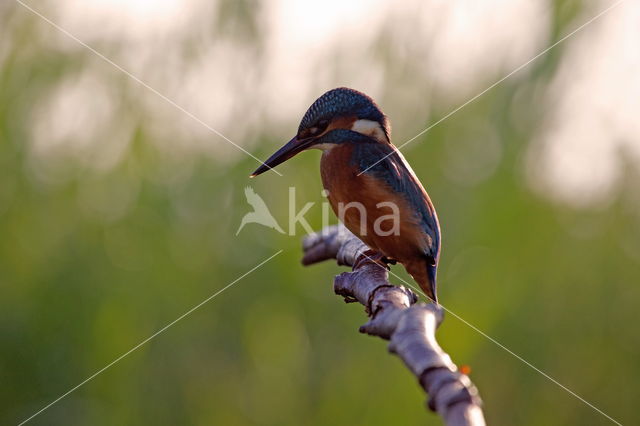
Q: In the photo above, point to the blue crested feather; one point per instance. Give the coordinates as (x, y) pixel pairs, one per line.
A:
(342, 102)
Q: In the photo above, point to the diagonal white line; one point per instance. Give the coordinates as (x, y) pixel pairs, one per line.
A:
(599, 15)
(500, 345)
(138, 80)
(150, 337)
(473, 327)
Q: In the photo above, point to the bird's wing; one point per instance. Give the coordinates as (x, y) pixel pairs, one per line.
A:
(394, 170)
(254, 199)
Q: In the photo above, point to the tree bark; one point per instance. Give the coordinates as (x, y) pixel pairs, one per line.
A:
(395, 315)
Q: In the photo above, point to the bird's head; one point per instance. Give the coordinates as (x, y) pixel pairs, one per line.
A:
(326, 122)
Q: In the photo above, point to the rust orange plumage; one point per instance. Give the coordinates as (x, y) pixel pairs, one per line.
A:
(370, 185)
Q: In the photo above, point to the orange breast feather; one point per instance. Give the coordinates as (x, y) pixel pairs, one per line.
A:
(356, 201)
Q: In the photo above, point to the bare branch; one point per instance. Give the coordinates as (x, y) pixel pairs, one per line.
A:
(394, 315)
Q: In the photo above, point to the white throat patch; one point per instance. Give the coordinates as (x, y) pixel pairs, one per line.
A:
(324, 146)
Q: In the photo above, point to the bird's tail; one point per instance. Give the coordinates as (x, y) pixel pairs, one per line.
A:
(424, 272)
(431, 283)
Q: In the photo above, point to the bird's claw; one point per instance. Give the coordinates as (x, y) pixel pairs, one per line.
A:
(374, 257)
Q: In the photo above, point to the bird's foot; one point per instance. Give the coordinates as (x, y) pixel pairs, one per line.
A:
(350, 299)
(375, 257)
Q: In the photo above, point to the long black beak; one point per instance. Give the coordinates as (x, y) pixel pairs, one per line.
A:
(291, 148)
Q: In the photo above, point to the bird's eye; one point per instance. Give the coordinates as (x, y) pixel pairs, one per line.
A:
(320, 127)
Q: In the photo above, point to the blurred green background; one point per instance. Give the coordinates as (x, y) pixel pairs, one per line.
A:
(119, 212)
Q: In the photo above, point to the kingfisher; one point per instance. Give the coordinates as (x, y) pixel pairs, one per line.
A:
(369, 184)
